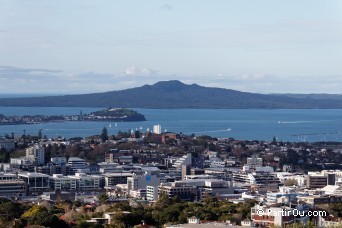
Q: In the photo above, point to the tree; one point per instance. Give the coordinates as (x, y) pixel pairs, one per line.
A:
(104, 134)
(10, 210)
(103, 198)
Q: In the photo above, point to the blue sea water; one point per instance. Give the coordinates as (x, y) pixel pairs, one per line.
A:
(249, 124)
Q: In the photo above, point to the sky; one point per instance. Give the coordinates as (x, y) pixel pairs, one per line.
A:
(81, 46)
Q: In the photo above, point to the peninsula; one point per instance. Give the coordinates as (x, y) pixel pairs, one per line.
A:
(109, 114)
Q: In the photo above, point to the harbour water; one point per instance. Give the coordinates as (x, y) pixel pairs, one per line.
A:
(259, 124)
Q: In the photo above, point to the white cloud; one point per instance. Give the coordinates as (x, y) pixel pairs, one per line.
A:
(132, 70)
(136, 71)
(166, 7)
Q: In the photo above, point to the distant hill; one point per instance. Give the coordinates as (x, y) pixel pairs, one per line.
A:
(314, 96)
(175, 94)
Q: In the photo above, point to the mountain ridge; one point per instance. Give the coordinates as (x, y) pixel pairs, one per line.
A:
(175, 94)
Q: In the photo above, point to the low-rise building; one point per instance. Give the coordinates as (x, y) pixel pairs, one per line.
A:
(60, 182)
(86, 182)
(183, 191)
(277, 215)
(8, 176)
(12, 188)
(319, 199)
(112, 179)
(36, 182)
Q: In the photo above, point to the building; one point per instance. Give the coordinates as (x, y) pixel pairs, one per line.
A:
(22, 161)
(36, 153)
(112, 179)
(36, 182)
(184, 160)
(332, 190)
(51, 169)
(78, 165)
(58, 195)
(186, 170)
(319, 199)
(168, 135)
(86, 182)
(196, 171)
(8, 176)
(260, 181)
(254, 161)
(316, 180)
(183, 191)
(7, 144)
(208, 187)
(157, 129)
(137, 182)
(285, 195)
(59, 160)
(152, 193)
(125, 159)
(12, 188)
(60, 182)
(329, 221)
(276, 215)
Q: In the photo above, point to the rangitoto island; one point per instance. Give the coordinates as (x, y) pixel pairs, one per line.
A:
(108, 114)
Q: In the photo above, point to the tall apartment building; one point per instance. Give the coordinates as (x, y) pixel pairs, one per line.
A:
(157, 129)
(36, 153)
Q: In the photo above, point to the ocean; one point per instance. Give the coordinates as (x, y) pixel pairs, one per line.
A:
(292, 125)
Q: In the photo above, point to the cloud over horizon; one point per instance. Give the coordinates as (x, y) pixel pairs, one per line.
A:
(46, 81)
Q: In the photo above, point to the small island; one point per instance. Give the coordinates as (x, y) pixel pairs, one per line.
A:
(109, 114)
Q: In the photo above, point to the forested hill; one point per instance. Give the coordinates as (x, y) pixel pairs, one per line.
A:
(174, 94)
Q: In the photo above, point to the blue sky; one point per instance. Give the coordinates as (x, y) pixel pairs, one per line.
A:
(79, 46)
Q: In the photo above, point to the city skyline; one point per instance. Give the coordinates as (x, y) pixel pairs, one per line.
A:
(62, 47)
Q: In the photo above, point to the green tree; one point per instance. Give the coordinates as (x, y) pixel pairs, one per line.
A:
(10, 210)
(104, 134)
(103, 198)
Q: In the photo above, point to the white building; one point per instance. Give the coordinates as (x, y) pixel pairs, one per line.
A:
(36, 181)
(78, 165)
(152, 193)
(137, 182)
(86, 182)
(332, 190)
(60, 182)
(58, 160)
(184, 160)
(36, 153)
(157, 129)
(254, 161)
(112, 179)
(22, 161)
